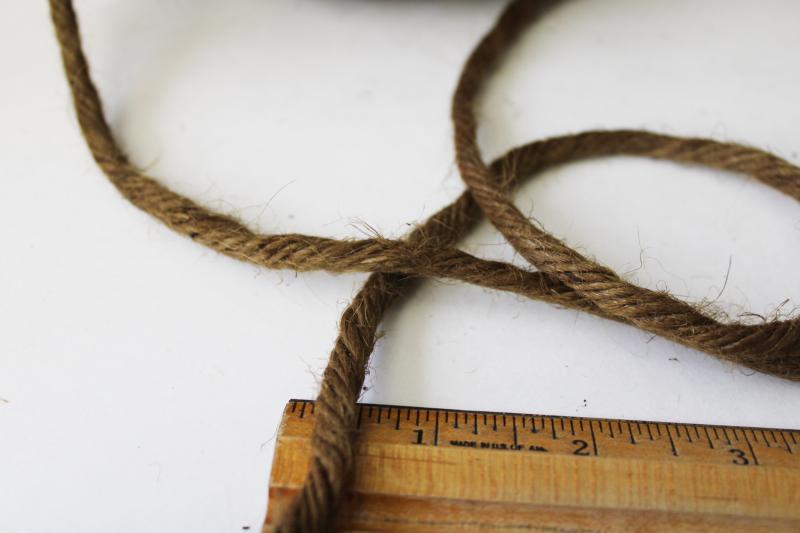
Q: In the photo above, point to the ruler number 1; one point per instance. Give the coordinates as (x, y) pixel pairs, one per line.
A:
(419, 433)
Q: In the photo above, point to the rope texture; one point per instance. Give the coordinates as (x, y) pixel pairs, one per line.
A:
(563, 277)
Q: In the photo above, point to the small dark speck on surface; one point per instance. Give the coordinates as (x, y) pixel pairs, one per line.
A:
(245, 528)
(674, 359)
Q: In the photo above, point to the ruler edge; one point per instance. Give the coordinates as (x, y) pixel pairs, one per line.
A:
(588, 418)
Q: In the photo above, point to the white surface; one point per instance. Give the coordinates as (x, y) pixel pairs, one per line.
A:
(142, 376)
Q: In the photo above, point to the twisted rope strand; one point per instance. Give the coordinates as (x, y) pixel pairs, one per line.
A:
(564, 276)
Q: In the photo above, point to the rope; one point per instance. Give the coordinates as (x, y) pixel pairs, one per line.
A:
(563, 276)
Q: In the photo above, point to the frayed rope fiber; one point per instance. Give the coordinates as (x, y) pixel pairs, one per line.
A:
(563, 276)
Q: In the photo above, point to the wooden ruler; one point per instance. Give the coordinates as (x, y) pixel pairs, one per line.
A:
(420, 469)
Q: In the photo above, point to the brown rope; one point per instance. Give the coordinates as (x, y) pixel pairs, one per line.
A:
(564, 276)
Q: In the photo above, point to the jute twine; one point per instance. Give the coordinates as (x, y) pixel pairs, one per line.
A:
(563, 276)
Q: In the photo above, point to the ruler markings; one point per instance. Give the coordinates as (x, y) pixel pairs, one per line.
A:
(586, 436)
(727, 438)
(750, 446)
(630, 432)
(671, 442)
(436, 431)
(788, 447)
(514, 424)
(710, 443)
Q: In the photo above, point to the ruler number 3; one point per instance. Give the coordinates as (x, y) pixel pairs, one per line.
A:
(740, 457)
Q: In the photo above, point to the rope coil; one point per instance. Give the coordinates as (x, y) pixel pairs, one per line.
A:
(563, 277)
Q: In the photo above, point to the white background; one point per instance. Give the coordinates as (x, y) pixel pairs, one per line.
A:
(142, 376)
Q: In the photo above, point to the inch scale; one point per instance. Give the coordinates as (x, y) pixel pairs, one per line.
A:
(427, 469)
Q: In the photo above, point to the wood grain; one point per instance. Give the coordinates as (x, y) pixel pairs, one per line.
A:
(423, 469)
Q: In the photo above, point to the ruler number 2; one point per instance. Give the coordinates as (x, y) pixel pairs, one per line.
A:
(581, 447)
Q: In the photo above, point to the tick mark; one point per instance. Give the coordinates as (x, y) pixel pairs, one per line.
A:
(672, 442)
(710, 443)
